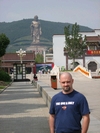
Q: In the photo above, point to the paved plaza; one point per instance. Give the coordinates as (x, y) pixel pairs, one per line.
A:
(23, 110)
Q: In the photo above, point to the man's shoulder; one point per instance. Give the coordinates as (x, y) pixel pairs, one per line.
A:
(79, 94)
(57, 94)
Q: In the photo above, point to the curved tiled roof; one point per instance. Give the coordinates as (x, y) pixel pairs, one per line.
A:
(14, 56)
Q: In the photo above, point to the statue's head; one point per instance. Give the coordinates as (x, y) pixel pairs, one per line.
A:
(36, 18)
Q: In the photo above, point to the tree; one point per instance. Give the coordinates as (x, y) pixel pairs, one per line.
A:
(39, 58)
(75, 44)
(4, 41)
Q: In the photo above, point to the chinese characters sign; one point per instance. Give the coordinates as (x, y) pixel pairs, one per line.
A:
(94, 52)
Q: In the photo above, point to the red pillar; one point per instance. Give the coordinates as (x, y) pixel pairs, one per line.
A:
(34, 69)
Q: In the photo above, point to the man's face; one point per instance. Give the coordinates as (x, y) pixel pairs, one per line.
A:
(66, 83)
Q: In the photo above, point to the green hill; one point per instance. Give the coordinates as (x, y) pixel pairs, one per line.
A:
(19, 32)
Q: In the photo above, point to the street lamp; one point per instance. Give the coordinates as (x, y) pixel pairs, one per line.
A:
(44, 55)
(21, 53)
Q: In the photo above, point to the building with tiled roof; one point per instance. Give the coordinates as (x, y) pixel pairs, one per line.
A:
(91, 57)
(11, 63)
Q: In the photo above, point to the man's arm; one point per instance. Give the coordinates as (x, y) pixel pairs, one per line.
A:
(51, 123)
(85, 123)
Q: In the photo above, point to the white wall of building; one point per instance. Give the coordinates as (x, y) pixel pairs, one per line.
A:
(97, 31)
(80, 61)
(88, 59)
(93, 58)
(93, 33)
(58, 54)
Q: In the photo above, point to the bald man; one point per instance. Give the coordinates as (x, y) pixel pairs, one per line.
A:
(68, 108)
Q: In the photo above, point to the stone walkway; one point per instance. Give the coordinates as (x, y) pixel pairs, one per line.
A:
(22, 110)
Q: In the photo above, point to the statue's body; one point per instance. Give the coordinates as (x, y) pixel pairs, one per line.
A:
(36, 30)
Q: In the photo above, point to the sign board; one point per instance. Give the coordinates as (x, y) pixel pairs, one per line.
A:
(93, 52)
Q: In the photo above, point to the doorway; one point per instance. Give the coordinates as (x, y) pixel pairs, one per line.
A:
(92, 66)
(19, 71)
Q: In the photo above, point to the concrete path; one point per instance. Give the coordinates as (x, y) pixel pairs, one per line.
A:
(22, 110)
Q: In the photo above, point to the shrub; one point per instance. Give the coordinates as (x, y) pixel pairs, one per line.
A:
(4, 76)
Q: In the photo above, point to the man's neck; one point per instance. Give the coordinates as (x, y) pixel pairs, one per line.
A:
(64, 92)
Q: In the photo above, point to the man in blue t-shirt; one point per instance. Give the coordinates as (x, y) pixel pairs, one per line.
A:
(68, 108)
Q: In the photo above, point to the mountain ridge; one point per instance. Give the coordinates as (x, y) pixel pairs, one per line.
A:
(19, 32)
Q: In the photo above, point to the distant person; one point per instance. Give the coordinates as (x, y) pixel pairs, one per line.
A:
(43, 71)
(48, 70)
(36, 30)
(35, 77)
(67, 109)
(39, 71)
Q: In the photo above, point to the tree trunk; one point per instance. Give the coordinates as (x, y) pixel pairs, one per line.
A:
(73, 63)
(0, 64)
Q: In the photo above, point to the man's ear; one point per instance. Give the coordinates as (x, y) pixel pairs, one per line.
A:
(72, 80)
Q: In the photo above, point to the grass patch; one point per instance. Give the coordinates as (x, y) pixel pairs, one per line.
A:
(2, 87)
(3, 84)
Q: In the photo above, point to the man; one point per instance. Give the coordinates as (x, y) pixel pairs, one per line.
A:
(67, 109)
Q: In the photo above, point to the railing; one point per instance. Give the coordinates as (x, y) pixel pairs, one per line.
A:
(83, 70)
(43, 76)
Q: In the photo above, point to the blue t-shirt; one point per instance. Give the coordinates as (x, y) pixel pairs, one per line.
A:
(68, 110)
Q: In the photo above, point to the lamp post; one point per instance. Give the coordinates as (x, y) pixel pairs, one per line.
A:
(21, 53)
(44, 55)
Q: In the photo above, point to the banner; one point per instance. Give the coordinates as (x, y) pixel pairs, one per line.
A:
(93, 52)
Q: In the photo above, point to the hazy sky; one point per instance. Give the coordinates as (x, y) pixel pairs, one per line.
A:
(84, 12)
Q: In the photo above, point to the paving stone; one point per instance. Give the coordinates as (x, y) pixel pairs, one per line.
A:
(23, 110)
